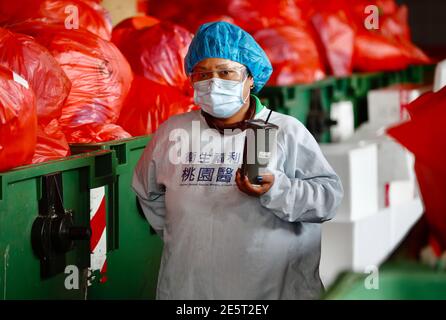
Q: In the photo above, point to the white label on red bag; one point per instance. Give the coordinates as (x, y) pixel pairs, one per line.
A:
(20, 80)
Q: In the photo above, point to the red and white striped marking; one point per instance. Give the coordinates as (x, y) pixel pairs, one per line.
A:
(98, 242)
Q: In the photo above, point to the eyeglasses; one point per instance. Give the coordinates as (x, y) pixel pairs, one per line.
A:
(233, 74)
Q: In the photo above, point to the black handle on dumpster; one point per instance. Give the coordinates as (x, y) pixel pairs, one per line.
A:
(53, 232)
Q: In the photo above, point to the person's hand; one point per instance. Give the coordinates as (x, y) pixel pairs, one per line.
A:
(265, 181)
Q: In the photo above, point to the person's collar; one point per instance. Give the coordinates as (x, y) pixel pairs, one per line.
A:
(259, 105)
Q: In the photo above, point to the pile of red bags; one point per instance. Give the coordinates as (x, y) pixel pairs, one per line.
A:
(80, 81)
(77, 79)
(17, 10)
(328, 37)
(277, 25)
(73, 14)
(350, 46)
(100, 77)
(18, 120)
(161, 88)
(424, 135)
(34, 63)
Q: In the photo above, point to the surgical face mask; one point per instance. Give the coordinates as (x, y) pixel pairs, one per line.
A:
(220, 98)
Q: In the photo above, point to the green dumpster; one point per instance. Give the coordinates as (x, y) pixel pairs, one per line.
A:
(396, 281)
(45, 226)
(133, 256)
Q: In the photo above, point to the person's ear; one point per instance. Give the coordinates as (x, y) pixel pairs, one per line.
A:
(251, 82)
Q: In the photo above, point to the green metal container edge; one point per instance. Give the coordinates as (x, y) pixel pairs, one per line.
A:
(103, 175)
(121, 148)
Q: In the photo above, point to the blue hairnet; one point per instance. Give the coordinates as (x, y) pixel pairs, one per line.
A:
(227, 41)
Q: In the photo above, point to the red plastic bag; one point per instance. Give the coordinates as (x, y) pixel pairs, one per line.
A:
(337, 36)
(18, 120)
(149, 104)
(100, 77)
(73, 14)
(17, 10)
(389, 47)
(423, 137)
(157, 53)
(127, 26)
(189, 13)
(255, 15)
(397, 24)
(293, 53)
(420, 135)
(51, 143)
(98, 133)
(51, 86)
(35, 63)
(375, 52)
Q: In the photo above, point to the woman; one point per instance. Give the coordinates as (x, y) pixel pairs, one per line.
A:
(225, 238)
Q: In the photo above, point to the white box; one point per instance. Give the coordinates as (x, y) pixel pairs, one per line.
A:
(396, 176)
(356, 166)
(396, 193)
(387, 105)
(354, 245)
(359, 245)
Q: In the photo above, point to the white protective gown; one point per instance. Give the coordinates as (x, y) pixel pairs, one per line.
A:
(220, 243)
